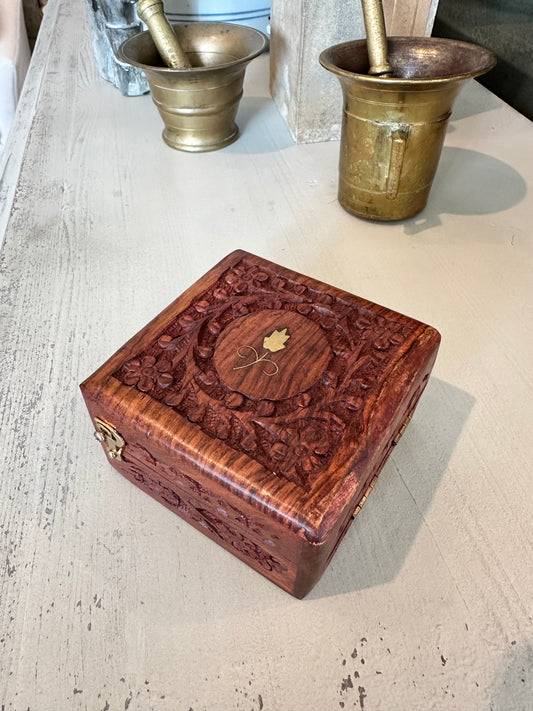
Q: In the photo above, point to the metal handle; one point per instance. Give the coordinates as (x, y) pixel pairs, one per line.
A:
(397, 152)
(152, 14)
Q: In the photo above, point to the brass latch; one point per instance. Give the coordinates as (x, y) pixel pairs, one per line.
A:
(106, 434)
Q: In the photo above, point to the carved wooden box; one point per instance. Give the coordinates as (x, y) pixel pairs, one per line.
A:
(260, 406)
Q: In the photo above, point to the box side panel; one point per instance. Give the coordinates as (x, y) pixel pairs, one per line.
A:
(216, 513)
(260, 541)
(316, 555)
(383, 416)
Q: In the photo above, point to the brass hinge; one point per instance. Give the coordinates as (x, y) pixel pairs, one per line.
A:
(365, 496)
(107, 435)
(403, 428)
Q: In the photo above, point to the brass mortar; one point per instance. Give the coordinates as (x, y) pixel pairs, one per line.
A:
(394, 126)
(198, 105)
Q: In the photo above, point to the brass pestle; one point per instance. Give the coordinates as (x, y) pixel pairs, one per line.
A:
(376, 38)
(151, 12)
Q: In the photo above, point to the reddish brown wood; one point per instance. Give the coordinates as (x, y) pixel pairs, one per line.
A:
(260, 406)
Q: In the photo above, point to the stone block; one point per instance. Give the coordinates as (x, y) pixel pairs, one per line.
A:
(309, 97)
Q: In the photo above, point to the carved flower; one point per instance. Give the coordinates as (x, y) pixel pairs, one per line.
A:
(251, 550)
(145, 372)
(382, 332)
(302, 446)
(240, 278)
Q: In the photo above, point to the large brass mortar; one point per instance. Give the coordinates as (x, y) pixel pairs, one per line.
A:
(394, 126)
(198, 105)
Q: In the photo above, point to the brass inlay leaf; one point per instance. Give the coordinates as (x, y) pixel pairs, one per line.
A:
(272, 342)
(276, 340)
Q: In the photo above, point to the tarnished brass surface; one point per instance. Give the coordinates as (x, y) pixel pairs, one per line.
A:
(198, 105)
(376, 37)
(152, 14)
(394, 127)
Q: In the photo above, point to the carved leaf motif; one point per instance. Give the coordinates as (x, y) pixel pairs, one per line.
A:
(277, 283)
(248, 442)
(164, 364)
(236, 431)
(276, 340)
(204, 352)
(234, 275)
(186, 321)
(208, 379)
(202, 306)
(173, 398)
(382, 342)
(327, 323)
(303, 399)
(265, 408)
(165, 380)
(279, 451)
(322, 447)
(304, 309)
(189, 401)
(241, 310)
(309, 462)
(165, 342)
(234, 400)
(329, 379)
(214, 424)
(213, 327)
(276, 305)
(340, 342)
(177, 370)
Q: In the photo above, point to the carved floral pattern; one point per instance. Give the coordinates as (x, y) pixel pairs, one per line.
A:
(146, 371)
(195, 503)
(296, 437)
(300, 445)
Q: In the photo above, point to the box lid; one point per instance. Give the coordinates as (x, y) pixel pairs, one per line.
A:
(285, 390)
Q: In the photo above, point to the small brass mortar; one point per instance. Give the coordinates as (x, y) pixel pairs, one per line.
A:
(199, 104)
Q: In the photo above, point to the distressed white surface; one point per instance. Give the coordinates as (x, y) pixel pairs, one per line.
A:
(108, 600)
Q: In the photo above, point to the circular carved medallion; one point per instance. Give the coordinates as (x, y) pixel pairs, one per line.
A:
(271, 354)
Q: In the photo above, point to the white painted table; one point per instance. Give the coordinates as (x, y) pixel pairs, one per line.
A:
(108, 600)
